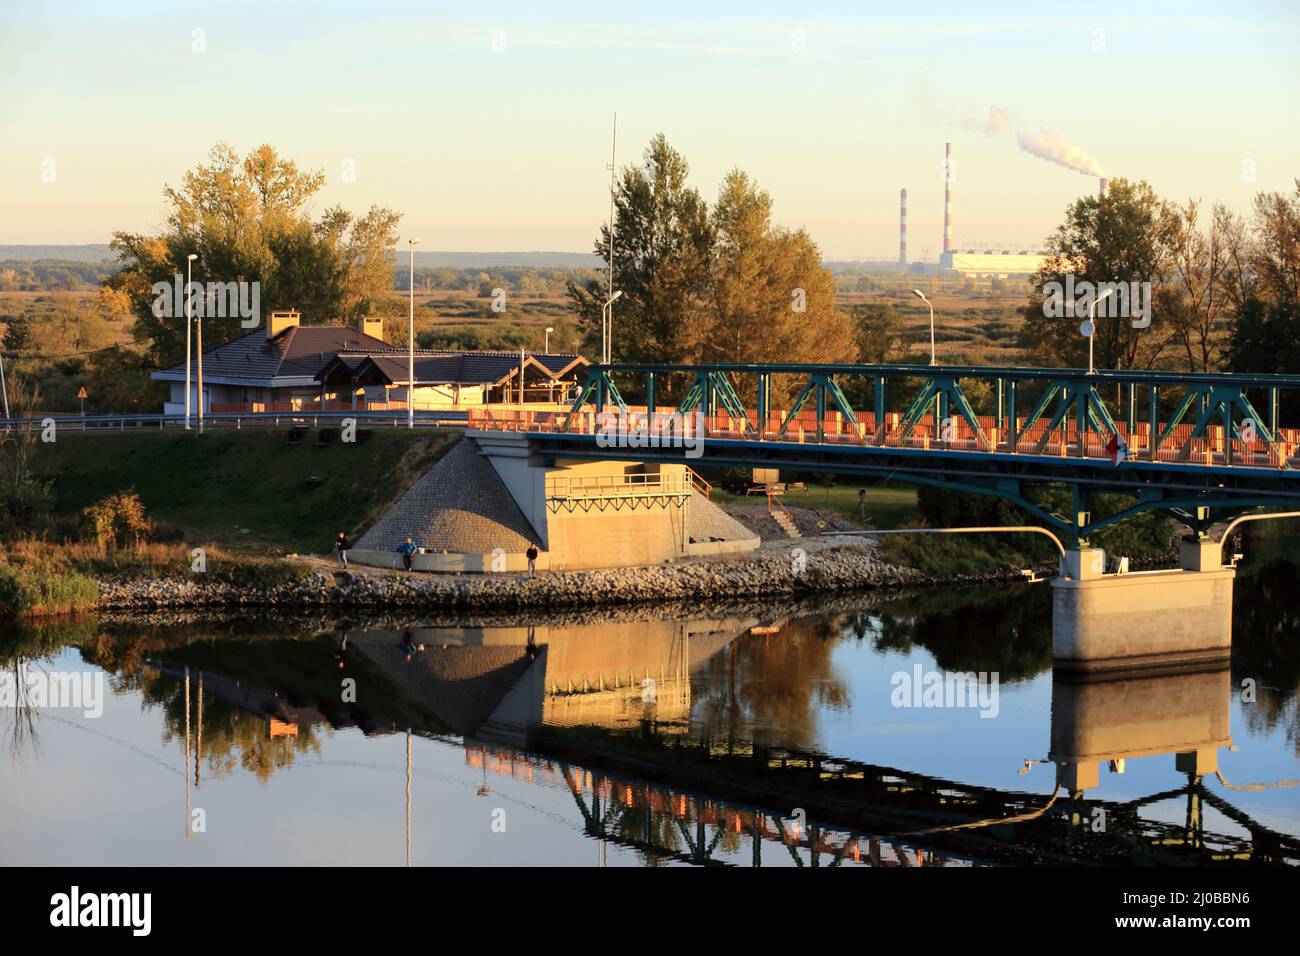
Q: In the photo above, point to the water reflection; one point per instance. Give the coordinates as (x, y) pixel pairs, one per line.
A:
(741, 735)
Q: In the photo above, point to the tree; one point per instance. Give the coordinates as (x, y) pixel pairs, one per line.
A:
(771, 298)
(1126, 237)
(246, 220)
(877, 330)
(1195, 297)
(661, 262)
(18, 333)
(1264, 284)
(1275, 252)
(698, 286)
(26, 496)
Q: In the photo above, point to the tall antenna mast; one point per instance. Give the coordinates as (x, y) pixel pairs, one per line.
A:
(609, 294)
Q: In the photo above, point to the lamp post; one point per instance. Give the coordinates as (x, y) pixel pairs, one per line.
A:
(1089, 329)
(921, 295)
(198, 354)
(410, 345)
(546, 349)
(189, 263)
(607, 328)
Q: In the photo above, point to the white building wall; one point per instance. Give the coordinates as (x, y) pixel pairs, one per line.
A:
(999, 264)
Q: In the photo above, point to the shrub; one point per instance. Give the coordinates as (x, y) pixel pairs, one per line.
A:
(116, 521)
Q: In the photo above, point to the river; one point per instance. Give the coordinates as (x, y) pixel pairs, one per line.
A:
(771, 734)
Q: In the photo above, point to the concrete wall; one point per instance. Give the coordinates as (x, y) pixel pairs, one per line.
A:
(468, 563)
(644, 534)
(622, 532)
(1140, 620)
(523, 477)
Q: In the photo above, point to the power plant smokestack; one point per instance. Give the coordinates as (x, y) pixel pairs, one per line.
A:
(947, 197)
(1105, 187)
(902, 229)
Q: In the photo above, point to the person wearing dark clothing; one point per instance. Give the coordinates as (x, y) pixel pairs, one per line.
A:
(408, 552)
(341, 547)
(532, 559)
(862, 502)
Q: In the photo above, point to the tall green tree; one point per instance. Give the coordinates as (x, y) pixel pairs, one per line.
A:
(1126, 237)
(661, 263)
(727, 285)
(878, 332)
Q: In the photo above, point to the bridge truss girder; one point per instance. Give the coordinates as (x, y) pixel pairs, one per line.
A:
(1180, 491)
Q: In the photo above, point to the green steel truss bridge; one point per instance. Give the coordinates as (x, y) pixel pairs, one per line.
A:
(1202, 448)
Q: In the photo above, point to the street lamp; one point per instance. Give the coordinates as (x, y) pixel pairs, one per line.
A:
(1089, 328)
(410, 345)
(189, 263)
(607, 328)
(921, 295)
(546, 349)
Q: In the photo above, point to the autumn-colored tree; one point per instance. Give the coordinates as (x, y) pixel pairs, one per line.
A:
(772, 300)
(246, 219)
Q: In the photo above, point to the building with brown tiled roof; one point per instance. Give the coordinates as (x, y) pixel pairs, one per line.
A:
(286, 366)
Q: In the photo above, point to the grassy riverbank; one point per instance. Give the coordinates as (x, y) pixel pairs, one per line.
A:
(246, 497)
(246, 491)
(38, 579)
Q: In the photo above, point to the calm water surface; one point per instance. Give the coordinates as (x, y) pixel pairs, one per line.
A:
(738, 735)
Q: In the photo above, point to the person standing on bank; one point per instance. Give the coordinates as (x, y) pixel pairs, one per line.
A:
(531, 553)
(341, 547)
(408, 552)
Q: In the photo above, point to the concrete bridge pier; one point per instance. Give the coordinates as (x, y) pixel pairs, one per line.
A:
(1141, 620)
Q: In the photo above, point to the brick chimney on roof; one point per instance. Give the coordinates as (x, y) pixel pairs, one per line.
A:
(279, 321)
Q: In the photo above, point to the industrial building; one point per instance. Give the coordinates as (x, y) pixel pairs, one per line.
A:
(994, 263)
(975, 263)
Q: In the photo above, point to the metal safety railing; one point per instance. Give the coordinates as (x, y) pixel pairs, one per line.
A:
(158, 421)
(633, 485)
(637, 428)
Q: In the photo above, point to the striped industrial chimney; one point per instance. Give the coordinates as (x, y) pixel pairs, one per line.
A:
(948, 173)
(902, 230)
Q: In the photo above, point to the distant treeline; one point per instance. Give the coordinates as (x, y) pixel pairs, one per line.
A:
(51, 275)
(482, 281)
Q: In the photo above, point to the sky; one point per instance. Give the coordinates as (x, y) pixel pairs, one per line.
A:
(488, 125)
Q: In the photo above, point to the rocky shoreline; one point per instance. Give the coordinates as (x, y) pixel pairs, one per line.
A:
(823, 567)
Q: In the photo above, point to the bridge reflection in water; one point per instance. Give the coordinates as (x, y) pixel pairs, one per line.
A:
(605, 711)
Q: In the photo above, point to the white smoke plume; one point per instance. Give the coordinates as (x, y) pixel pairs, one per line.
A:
(998, 121)
(1048, 144)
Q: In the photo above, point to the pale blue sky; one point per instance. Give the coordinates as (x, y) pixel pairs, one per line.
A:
(485, 150)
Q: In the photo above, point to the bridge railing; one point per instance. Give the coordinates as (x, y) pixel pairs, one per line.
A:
(1213, 447)
(609, 487)
(162, 422)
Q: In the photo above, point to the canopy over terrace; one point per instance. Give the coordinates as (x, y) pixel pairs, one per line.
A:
(446, 379)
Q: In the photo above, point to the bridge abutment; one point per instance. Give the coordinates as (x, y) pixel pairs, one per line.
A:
(1141, 620)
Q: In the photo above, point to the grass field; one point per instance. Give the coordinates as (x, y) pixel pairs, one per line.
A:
(243, 490)
(976, 326)
(888, 506)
